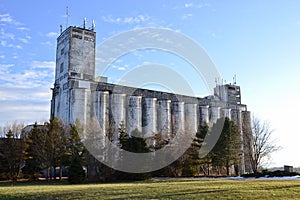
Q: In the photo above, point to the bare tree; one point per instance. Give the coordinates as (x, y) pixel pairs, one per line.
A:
(263, 143)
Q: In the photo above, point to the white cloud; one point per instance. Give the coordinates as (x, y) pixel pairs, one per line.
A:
(5, 44)
(121, 68)
(5, 35)
(192, 5)
(188, 5)
(43, 65)
(40, 73)
(126, 20)
(24, 40)
(52, 34)
(2, 56)
(25, 94)
(48, 43)
(7, 19)
(187, 16)
(23, 28)
(4, 68)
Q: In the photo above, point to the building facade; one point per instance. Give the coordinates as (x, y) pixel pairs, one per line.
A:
(77, 94)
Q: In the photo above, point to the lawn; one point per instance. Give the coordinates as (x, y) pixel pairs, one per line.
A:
(158, 189)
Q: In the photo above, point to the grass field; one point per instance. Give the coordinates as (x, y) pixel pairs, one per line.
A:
(158, 189)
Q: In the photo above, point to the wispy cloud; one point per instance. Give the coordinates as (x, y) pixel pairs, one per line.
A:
(6, 44)
(37, 74)
(188, 5)
(126, 20)
(52, 34)
(43, 65)
(6, 35)
(23, 29)
(185, 16)
(7, 19)
(48, 43)
(196, 5)
(24, 40)
(4, 68)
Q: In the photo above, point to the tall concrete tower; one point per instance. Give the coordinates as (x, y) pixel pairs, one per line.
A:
(75, 68)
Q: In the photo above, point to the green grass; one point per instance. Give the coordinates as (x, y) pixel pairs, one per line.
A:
(158, 189)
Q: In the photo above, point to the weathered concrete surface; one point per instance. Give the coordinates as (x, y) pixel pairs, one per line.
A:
(164, 118)
(178, 119)
(134, 114)
(149, 117)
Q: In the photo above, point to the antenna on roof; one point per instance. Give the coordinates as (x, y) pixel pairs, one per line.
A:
(234, 79)
(93, 25)
(67, 17)
(60, 28)
(84, 22)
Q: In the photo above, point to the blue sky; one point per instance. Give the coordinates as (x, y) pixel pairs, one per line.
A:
(259, 41)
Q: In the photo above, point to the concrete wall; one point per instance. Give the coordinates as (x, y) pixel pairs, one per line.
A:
(247, 140)
(178, 119)
(214, 114)
(226, 112)
(117, 112)
(134, 114)
(101, 109)
(164, 118)
(204, 110)
(149, 116)
(191, 120)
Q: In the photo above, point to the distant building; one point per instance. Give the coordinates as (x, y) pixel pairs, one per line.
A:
(288, 168)
(77, 94)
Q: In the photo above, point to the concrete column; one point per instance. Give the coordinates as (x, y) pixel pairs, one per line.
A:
(236, 116)
(204, 114)
(215, 114)
(190, 118)
(134, 114)
(164, 118)
(178, 120)
(226, 112)
(149, 116)
(101, 109)
(80, 106)
(248, 140)
(118, 112)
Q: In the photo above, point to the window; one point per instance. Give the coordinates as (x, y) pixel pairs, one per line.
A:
(77, 36)
(62, 51)
(61, 67)
(88, 39)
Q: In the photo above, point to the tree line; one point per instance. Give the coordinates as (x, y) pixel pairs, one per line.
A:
(57, 149)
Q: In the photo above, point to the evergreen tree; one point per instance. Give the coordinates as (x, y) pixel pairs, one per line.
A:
(227, 149)
(55, 146)
(34, 153)
(192, 162)
(75, 155)
(76, 172)
(131, 144)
